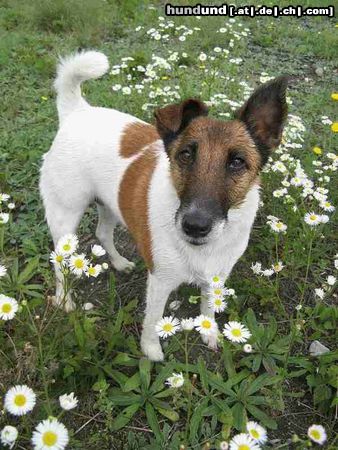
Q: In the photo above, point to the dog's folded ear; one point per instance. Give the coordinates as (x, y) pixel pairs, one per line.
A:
(264, 115)
(173, 119)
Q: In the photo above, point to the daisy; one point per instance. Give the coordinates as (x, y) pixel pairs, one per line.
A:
(11, 205)
(217, 304)
(278, 267)
(247, 348)
(88, 306)
(312, 219)
(9, 435)
(216, 281)
(94, 271)
(331, 280)
(3, 271)
(236, 332)
(205, 325)
(217, 292)
(68, 401)
(257, 432)
(4, 197)
(327, 206)
(19, 400)
(50, 435)
(167, 327)
(320, 293)
(67, 244)
(243, 441)
(278, 227)
(317, 434)
(256, 268)
(8, 307)
(323, 218)
(97, 250)
(176, 380)
(187, 324)
(267, 272)
(4, 217)
(223, 445)
(57, 258)
(297, 181)
(78, 264)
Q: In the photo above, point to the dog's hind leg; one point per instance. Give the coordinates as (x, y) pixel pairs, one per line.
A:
(62, 220)
(105, 234)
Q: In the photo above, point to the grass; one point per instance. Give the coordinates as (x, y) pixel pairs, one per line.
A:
(96, 353)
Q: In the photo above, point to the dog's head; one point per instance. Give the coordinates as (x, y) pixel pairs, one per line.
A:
(214, 163)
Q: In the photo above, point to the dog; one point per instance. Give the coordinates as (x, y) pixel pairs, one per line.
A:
(187, 188)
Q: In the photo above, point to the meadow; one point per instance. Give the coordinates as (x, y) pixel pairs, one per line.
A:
(284, 376)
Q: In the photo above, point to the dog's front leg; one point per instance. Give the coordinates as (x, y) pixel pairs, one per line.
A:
(157, 295)
(207, 310)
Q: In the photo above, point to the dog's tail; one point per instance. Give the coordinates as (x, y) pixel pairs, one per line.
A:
(71, 72)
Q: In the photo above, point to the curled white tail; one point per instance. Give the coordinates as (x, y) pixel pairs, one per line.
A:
(71, 72)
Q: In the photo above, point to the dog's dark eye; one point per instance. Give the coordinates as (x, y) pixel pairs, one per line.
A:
(236, 164)
(187, 155)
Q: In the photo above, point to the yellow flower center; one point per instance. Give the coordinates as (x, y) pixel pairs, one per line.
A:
(206, 324)
(215, 279)
(327, 204)
(59, 258)
(313, 217)
(217, 292)
(317, 150)
(334, 127)
(254, 434)
(279, 224)
(78, 263)
(6, 308)
(218, 302)
(243, 447)
(315, 434)
(236, 332)
(66, 247)
(91, 271)
(167, 327)
(49, 438)
(20, 400)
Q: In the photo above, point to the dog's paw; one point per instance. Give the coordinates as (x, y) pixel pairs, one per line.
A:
(123, 265)
(211, 341)
(152, 351)
(60, 301)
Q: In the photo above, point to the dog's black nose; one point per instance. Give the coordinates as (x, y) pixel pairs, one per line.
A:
(196, 224)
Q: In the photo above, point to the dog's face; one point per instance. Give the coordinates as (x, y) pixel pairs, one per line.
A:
(214, 163)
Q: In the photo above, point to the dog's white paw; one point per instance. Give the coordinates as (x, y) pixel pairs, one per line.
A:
(66, 303)
(123, 265)
(152, 351)
(211, 341)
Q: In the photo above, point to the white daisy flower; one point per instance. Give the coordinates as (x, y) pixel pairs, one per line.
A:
(50, 435)
(331, 280)
(97, 250)
(236, 332)
(217, 304)
(105, 266)
(217, 281)
(78, 264)
(278, 267)
(4, 217)
(257, 432)
(8, 436)
(323, 218)
(267, 272)
(176, 380)
(167, 326)
(57, 258)
(256, 268)
(8, 307)
(205, 325)
(312, 219)
(327, 206)
(202, 57)
(320, 293)
(11, 205)
(297, 181)
(94, 271)
(187, 324)
(4, 197)
(247, 348)
(336, 263)
(68, 401)
(3, 271)
(67, 244)
(317, 434)
(278, 227)
(19, 400)
(88, 306)
(126, 90)
(243, 441)
(217, 292)
(223, 445)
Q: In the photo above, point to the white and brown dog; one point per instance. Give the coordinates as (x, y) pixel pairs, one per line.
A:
(187, 188)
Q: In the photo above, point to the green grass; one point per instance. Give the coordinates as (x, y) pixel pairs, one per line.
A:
(96, 353)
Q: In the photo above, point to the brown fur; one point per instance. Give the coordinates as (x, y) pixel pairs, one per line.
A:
(133, 202)
(135, 137)
(209, 177)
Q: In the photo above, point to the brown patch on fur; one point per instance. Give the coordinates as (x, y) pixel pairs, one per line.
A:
(135, 137)
(133, 202)
(209, 177)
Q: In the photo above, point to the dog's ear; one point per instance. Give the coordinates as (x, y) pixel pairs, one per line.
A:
(264, 115)
(173, 119)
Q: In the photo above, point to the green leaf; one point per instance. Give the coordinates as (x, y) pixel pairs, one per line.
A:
(120, 398)
(262, 381)
(228, 361)
(239, 416)
(196, 419)
(29, 270)
(123, 359)
(117, 376)
(261, 417)
(132, 383)
(145, 372)
(153, 422)
(169, 414)
(220, 386)
(203, 375)
(165, 373)
(124, 417)
(256, 363)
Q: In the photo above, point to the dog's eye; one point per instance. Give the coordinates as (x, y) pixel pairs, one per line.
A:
(236, 164)
(187, 156)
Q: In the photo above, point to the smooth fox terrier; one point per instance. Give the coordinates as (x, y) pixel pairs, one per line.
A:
(187, 188)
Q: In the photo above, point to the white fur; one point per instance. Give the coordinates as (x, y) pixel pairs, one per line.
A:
(84, 164)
